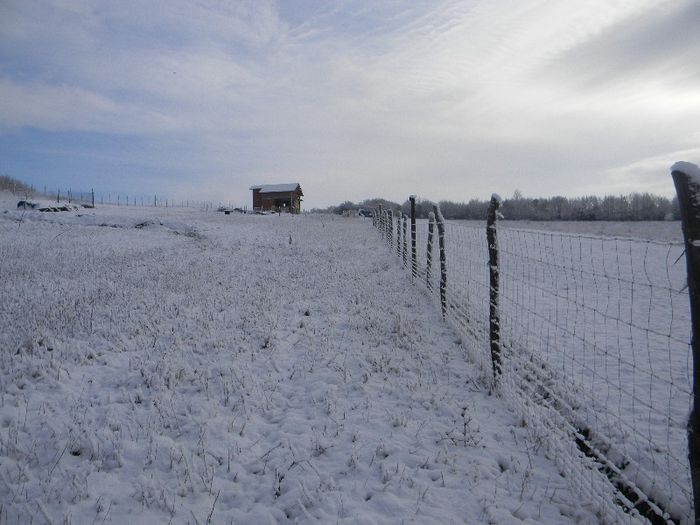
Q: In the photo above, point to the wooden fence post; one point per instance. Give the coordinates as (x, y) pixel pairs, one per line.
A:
(494, 317)
(390, 228)
(92, 197)
(386, 226)
(686, 179)
(443, 262)
(398, 233)
(405, 241)
(382, 229)
(414, 260)
(429, 253)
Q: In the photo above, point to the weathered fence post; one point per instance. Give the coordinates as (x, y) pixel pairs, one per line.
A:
(686, 179)
(414, 260)
(390, 230)
(494, 318)
(379, 217)
(92, 195)
(443, 262)
(398, 233)
(386, 226)
(429, 253)
(405, 241)
(383, 228)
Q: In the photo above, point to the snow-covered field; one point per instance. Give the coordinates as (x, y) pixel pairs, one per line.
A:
(178, 366)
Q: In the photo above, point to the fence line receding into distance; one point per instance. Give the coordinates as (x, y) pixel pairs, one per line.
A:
(586, 336)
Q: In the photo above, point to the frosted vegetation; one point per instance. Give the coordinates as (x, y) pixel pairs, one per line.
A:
(633, 207)
(177, 366)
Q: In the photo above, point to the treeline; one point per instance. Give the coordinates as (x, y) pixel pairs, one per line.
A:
(632, 207)
(16, 186)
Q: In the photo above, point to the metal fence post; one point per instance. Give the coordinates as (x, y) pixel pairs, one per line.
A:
(443, 261)
(494, 317)
(686, 179)
(429, 253)
(414, 259)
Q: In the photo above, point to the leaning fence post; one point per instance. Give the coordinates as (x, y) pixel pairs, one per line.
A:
(494, 318)
(405, 240)
(429, 253)
(686, 179)
(414, 260)
(443, 262)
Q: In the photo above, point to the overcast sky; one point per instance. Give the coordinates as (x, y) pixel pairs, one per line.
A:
(352, 99)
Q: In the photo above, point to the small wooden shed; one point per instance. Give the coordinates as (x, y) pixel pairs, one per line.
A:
(277, 197)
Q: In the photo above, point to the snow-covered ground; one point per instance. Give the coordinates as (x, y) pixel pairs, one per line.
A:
(178, 366)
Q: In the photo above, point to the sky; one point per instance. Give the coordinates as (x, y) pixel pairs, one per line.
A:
(353, 99)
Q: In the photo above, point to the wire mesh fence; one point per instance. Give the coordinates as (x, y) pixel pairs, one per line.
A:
(594, 344)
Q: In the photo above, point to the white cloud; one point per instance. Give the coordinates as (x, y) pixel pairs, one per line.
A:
(454, 99)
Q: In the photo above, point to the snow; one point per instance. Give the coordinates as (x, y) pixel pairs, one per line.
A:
(173, 365)
(275, 188)
(690, 169)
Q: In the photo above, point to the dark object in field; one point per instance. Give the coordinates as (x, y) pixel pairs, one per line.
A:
(63, 207)
(27, 205)
(364, 213)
